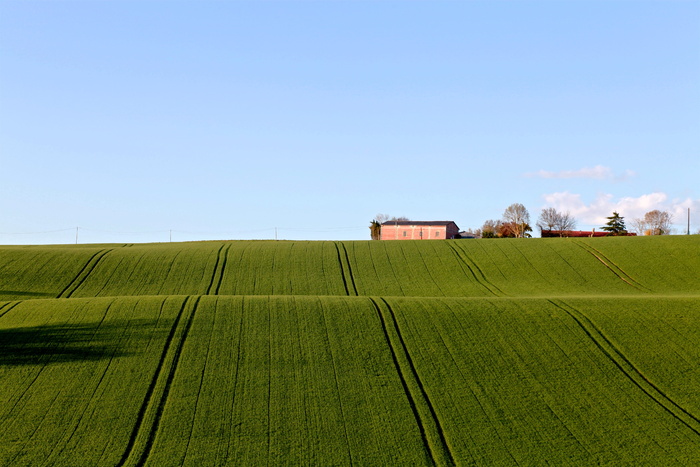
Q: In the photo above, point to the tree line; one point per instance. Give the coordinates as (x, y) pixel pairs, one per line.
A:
(515, 223)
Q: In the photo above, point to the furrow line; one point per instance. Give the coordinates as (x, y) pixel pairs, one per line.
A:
(629, 369)
(207, 358)
(83, 274)
(624, 277)
(167, 273)
(234, 382)
(426, 417)
(151, 411)
(337, 384)
(483, 282)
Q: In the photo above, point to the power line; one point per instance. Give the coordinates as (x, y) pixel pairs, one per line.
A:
(36, 233)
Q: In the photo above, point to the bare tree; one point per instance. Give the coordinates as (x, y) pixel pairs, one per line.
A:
(375, 225)
(639, 225)
(548, 219)
(566, 222)
(517, 215)
(654, 222)
(381, 218)
(551, 219)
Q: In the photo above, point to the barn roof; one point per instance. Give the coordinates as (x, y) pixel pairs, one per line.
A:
(418, 223)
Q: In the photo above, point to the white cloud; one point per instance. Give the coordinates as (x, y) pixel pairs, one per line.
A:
(599, 172)
(595, 213)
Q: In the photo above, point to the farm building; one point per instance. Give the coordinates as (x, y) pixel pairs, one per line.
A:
(419, 230)
(577, 233)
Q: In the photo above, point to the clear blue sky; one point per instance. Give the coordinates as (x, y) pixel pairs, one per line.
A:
(228, 119)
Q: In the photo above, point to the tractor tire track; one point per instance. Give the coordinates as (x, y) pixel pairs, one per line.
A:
(431, 430)
(632, 373)
(615, 269)
(481, 277)
(151, 411)
(345, 275)
(8, 307)
(349, 268)
(217, 275)
(78, 280)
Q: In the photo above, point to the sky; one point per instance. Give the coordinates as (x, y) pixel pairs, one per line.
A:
(152, 121)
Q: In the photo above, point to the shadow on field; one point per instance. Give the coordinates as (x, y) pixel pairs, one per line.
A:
(20, 293)
(58, 343)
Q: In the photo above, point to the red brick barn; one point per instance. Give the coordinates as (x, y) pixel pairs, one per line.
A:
(419, 230)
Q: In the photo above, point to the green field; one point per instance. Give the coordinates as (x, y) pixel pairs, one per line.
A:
(486, 352)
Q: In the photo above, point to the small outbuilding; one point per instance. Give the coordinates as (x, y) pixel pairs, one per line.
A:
(419, 230)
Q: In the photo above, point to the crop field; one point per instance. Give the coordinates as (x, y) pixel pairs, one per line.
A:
(470, 352)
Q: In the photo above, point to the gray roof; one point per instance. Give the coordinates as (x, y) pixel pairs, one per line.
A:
(418, 223)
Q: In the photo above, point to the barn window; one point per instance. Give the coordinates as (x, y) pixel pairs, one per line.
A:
(437, 234)
(405, 233)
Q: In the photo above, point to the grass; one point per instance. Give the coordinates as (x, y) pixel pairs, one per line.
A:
(489, 352)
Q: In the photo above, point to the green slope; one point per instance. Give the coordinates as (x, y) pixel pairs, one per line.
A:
(491, 352)
(485, 268)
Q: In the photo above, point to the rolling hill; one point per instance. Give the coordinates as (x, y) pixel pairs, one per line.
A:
(487, 352)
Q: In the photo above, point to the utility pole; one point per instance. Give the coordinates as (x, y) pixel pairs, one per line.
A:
(76, 235)
(171, 236)
(275, 233)
(688, 221)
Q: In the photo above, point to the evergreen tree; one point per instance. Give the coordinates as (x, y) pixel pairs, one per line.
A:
(615, 225)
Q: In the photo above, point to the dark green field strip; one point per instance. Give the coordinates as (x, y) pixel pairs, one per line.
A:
(283, 268)
(520, 382)
(374, 273)
(7, 307)
(72, 386)
(152, 270)
(516, 267)
(661, 263)
(432, 431)
(660, 336)
(286, 380)
(611, 351)
(622, 275)
(70, 289)
(144, 432)
(473, 270)
(252, 380)
(531, 267)
(39, 272)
